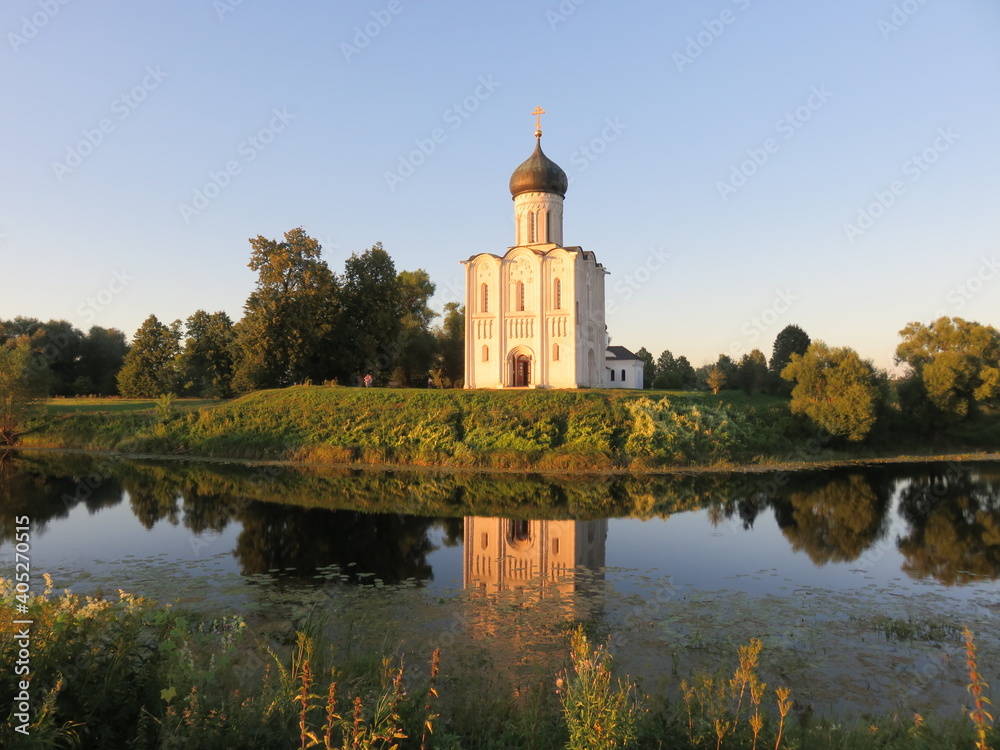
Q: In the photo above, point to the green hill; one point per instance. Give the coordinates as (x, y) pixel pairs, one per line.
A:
(546, 430)
(539, 430)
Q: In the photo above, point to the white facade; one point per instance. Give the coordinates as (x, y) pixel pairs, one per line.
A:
(624, 373)
(534, 317)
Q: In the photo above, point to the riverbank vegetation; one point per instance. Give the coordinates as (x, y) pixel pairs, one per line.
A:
(124, 671)
(554, 431)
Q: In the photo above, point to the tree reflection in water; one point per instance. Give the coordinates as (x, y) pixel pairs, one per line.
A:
(390, 547)
(312, 520)
(835, 522)
(27, 490)
(953, 515)
(831, 516)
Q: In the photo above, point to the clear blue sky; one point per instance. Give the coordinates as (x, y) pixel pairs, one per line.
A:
(737, 137)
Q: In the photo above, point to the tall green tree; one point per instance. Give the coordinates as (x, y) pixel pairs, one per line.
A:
(836, 389)
(648, 367)
(58, 342)
(672, 373)
(666, 376)
(664, 379)
(752, 372)
(206, 363)
(62, 345)
(150, 367)
(790, 340)
(104, 351)
(417, 345)
(954, 369)
(730, 370)
(450, 363)
(686, 372)
(373, 312)
(24, 384)
(78, 364)
(290, 319)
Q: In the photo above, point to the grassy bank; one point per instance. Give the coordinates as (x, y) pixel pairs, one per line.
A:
(123, 671)
(568, 431)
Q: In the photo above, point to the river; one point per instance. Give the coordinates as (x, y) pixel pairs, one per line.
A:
(857, 580)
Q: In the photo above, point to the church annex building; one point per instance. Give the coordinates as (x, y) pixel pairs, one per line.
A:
(534, 317)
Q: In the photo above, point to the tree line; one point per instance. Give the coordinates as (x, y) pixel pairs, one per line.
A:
(752, 373)
(71, 362)
(951, 378)
(302, 323)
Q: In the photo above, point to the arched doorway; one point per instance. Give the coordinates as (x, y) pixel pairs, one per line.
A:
(520, 368)
(518, 533)
(522, 371)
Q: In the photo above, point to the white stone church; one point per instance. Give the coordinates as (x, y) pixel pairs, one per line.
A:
(534, 317)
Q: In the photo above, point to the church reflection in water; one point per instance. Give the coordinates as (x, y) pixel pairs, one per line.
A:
(502, 554)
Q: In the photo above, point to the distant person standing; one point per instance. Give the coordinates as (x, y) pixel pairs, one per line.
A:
(430, 381)
(368, 380)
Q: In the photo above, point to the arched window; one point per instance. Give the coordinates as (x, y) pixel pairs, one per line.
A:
(486, 353)
(484, 304)
(531, 226)
(548, 234)
(555, 352)
(520, 296)
(612, 376)
(557, 294)
(623, 376)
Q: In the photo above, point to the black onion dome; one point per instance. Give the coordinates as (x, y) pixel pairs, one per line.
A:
(539, 174)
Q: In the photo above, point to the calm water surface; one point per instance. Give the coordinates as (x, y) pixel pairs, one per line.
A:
(823, 566)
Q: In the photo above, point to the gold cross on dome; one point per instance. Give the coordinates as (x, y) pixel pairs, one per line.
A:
(538, 120)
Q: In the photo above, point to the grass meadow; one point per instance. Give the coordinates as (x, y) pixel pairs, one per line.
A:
(514, 430)
(509, 430)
